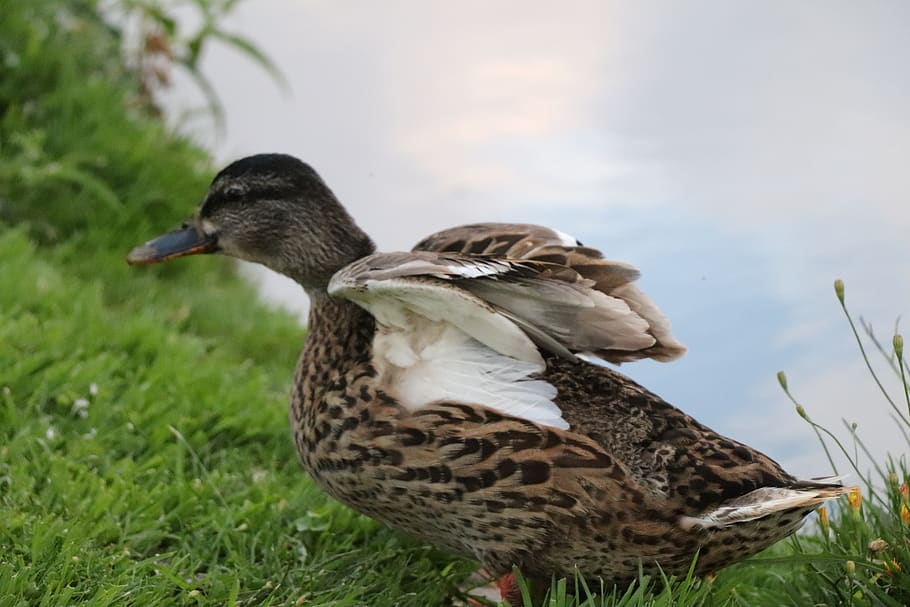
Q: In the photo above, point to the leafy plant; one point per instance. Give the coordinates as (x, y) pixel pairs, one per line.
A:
(164, 44)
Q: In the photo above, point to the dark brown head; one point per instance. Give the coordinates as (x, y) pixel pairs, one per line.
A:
(271, 209)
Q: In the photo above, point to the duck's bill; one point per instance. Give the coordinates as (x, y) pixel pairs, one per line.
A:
(179, 243)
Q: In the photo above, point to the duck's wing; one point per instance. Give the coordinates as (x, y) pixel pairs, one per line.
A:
(472, 328)
(438, 341)
(510, 305)
(467, 315)
(567, 259)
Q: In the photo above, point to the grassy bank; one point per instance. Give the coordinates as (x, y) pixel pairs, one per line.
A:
(146, 461)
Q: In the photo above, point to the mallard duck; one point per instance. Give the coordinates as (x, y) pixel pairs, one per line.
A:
(445, 391)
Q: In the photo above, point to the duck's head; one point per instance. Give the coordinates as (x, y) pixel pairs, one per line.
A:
(271, 209)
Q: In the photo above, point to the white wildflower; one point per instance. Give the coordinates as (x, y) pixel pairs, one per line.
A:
(80, 407)
(93, 389)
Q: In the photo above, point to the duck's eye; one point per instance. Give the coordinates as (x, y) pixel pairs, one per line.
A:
(234, 191)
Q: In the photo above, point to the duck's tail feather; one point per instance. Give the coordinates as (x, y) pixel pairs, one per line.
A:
(820, 482)
(766, 501)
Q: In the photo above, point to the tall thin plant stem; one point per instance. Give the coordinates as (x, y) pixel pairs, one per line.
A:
(782, 379)
(839, 290)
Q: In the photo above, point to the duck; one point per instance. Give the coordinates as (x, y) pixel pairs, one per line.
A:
(461, 392)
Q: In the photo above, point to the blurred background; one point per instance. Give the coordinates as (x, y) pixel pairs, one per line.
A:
(742, 155)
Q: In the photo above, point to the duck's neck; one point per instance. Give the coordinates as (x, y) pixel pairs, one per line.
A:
(338, 344)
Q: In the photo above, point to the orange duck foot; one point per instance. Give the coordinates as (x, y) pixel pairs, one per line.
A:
(511, 592)
(508, 588)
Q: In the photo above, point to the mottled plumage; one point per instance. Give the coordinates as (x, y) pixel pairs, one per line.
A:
(441, 391)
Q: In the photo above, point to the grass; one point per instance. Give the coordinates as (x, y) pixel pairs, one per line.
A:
(144, 448)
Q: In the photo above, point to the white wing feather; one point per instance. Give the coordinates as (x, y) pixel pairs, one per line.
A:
(456, 367)
(439, 342)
